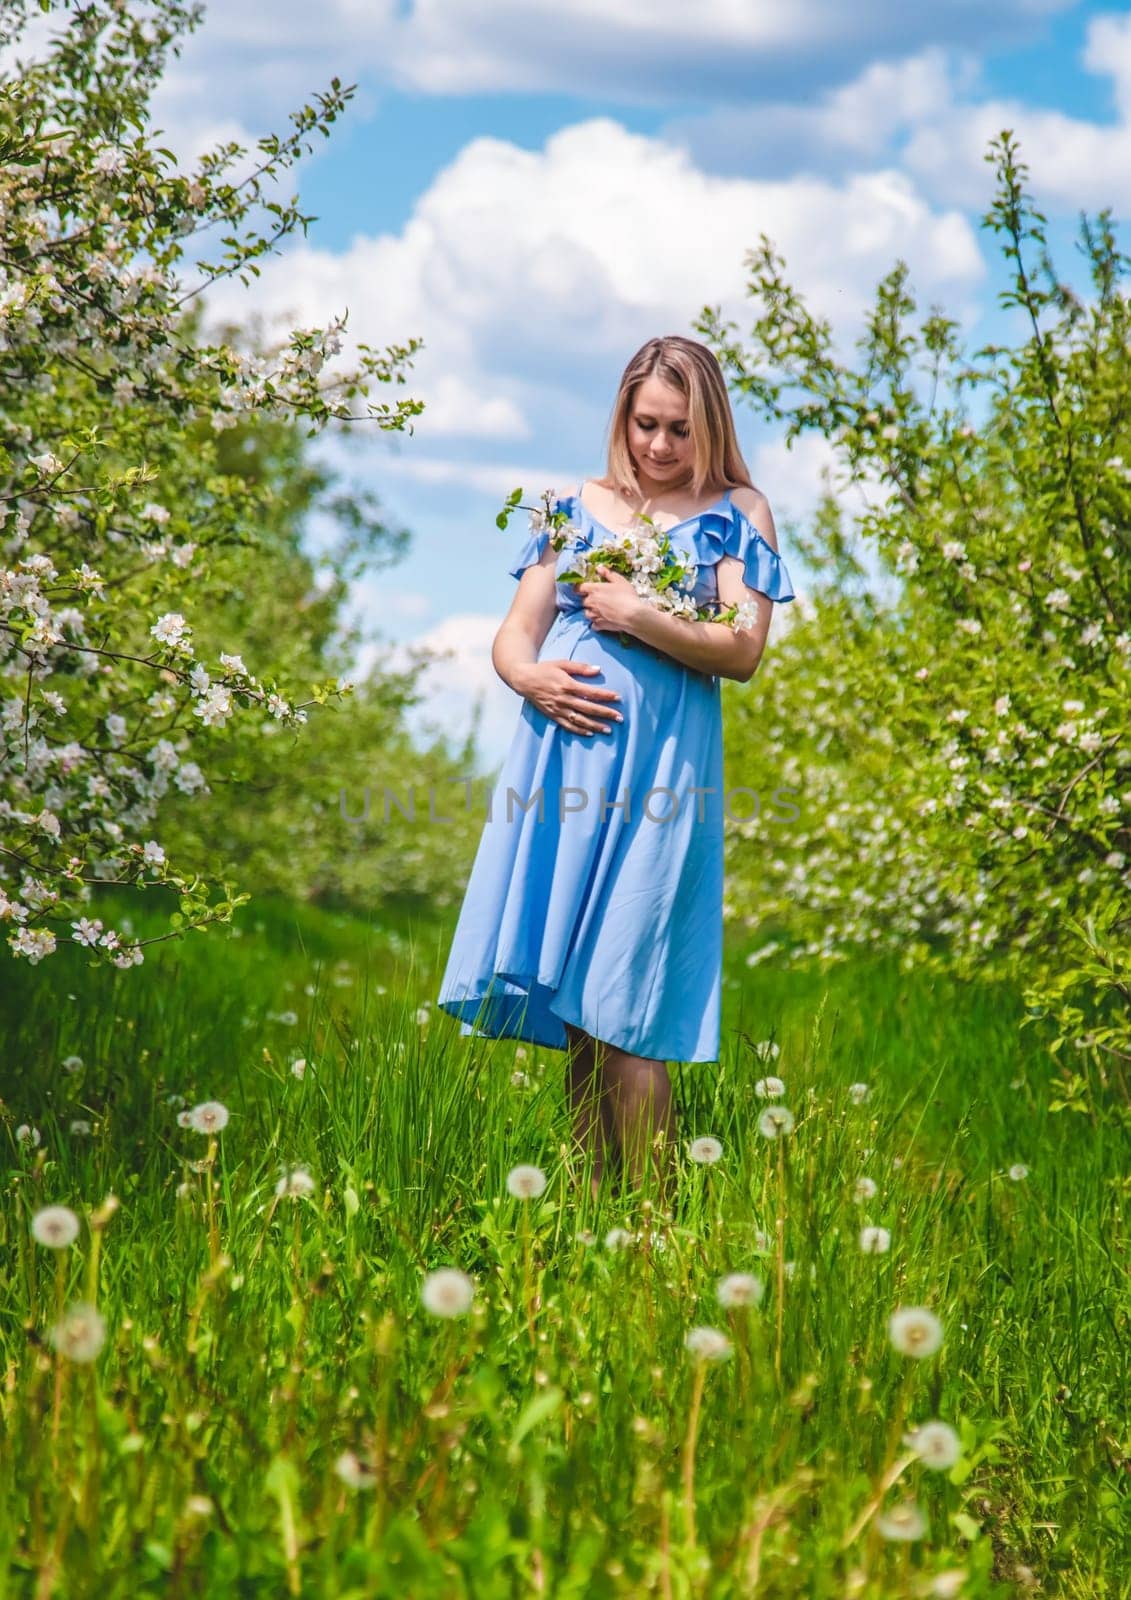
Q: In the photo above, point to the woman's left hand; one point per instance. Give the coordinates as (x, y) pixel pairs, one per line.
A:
(612, 604)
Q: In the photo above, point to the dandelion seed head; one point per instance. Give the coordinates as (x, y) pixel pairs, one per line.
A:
(353, 1471)
(947, 1585)
(705, 1151)
(769, 1088)
(915, 1331)
(57, 1227)
(79, 1128)
(936, 1444)
(447, 1292)
(864, 1189)
(740, 1289)
(184, 1119)
(208, 1117)
(1018, 1172)
(295, 1184)
(80, 1334)
(902, 1523)
(298, 1068)
(708, 1344)
(26, 1134)
(619, 1239)
(858, 1093)
(526, 1182)
(775, 1122)
(875, 1241)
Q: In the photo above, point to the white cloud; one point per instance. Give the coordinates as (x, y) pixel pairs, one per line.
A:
(455, 406)
(715, 50)
(923, 116)
(1074, 164)
(532, 275)
(453, 685)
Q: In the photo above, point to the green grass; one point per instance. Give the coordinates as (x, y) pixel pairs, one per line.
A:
(559, 1439)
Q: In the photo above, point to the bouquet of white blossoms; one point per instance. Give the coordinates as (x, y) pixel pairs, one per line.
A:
(660, 574)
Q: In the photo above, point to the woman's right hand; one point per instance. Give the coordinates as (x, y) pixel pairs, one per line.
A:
(553, 688)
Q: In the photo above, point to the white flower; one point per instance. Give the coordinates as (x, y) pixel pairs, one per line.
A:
(1057, 599)
(295, 1184)
(169, 628)
(858, 1093)
(864, 1189)
(298, 1068)
(915, 1331)
(936, 1444)
(153, 855)
(740, 1289)
(875, 1241)
(447, 1292)
(769, 1088)
(153, 512)
(354, 1473)
(705, 1151)
(208, 1117)
(526, 1182)
(708, 1344)
(519, 1079)
(26, 1134)
(947, 1585)
(775, 1120)
(57, 1227)
(1018, 1171)
(423, 1016)
(903, 1523)
(81, 1333)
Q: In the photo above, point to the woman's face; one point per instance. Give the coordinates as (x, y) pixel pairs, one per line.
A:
(659, 434)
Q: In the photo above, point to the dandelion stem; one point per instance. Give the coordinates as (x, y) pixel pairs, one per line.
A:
(779, 1295)
(891, 1476)
(689, 1450)
(60, 1297)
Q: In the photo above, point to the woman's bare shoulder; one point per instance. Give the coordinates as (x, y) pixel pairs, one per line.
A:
(756, 508)
(752, 502)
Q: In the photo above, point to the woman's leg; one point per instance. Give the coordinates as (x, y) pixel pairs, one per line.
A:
(640, 1095)
(593, 1125)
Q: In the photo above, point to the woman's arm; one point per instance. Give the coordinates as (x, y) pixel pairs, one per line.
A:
(523, 630)
(714, 646)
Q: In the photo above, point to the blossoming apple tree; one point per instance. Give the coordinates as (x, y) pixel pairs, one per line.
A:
(113, 510)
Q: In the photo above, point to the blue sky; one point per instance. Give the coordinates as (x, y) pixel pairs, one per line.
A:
(536, 190)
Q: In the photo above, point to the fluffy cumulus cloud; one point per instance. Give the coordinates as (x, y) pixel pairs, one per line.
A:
(529, 272)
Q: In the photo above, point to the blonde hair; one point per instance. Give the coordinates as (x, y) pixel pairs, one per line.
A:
(693, 370)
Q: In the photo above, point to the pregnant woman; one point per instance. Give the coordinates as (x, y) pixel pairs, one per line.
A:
(592, 921)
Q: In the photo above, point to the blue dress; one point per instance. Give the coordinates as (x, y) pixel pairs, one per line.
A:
(595, 897)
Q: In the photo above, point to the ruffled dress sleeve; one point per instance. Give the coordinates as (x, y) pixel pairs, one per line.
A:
(730, 532)
(532, 552)
(535, 545)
